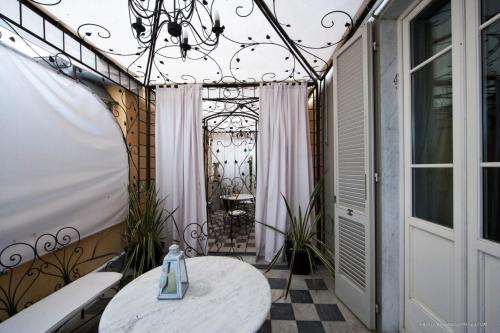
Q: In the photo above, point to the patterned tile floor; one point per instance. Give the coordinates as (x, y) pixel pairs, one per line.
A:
(243, 233)
(311, 306)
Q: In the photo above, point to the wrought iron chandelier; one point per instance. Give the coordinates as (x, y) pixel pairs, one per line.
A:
(189, 23)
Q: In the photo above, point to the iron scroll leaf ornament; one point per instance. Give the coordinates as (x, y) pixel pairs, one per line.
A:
(58, 255)
(91, 31)
(243, 50)
(57, 61)
(241, 181)
(195, 238)
(130, 111)
(329, 20)
(66, 254)
(231, 125)
(46, 3)
(13, 292)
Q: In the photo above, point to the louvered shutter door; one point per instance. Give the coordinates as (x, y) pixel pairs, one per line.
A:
(351, 128)
(354, 226)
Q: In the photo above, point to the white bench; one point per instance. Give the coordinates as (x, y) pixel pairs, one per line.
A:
(54, 310)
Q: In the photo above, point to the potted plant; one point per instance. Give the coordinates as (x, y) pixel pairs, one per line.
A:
(145, 222)
(301, 245)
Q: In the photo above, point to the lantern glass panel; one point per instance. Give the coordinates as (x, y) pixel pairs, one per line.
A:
(184, 276)
(171, 283)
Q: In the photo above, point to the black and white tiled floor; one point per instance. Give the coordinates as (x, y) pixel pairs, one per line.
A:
(310, 307)
(243, 233)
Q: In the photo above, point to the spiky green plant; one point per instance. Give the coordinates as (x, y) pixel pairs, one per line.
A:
(145, 222)
(302, 233)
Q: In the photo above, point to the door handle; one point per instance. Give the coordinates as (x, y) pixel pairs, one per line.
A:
(349, 212)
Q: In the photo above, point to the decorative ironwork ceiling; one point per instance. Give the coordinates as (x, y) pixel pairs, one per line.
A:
(232, 110)
(263, 40)
(230, 117)
(315, 27)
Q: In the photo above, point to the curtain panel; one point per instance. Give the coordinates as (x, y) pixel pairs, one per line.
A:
(180, 177)
(63, 158)
(284, 162)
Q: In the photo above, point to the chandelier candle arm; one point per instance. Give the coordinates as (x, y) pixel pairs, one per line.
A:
(216, 18)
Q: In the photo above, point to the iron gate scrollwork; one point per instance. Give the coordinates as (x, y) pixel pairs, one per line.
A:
(230, 141)
(59, 255)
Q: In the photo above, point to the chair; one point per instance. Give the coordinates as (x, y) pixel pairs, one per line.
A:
(233, 214)
(248, 206)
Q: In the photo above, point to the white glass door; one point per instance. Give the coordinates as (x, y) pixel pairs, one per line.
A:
(484, 164)
(434, 214)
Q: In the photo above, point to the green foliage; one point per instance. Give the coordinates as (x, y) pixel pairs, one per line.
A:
(302, 233)
(145, 222)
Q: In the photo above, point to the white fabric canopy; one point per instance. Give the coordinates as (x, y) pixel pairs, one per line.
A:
(249, 49)
(64, 160)
(180, 175)
(284, 162)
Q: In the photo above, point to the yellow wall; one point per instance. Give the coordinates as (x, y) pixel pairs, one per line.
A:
(108, 241)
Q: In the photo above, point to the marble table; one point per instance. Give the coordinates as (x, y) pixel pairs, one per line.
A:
(237, 197)
(224, 295)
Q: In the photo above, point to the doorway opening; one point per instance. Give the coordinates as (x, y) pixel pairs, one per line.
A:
(230, 125)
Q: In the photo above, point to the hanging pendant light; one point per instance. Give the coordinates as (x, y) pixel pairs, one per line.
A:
(186, 21)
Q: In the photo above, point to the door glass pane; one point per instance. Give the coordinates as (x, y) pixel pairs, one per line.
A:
(432, 112)
(491, 203)
(491, 92)
(433, 195)
(489, 8)
(430, 31)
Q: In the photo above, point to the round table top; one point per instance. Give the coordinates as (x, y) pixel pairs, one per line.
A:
(224, 295)
(238, 197)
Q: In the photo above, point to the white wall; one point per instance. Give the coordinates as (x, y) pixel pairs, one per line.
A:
(388, 191)
(388, 154)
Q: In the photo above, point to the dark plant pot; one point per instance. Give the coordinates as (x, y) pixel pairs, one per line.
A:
(301, 265)
(159, 255)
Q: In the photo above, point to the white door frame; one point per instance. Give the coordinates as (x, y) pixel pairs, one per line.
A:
(478, 248)
(457, 234)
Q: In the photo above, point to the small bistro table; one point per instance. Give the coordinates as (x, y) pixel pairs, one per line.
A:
(237, 197)
(224, 295)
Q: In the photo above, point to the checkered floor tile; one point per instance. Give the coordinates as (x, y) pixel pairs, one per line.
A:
(235, 236)
(309, 308)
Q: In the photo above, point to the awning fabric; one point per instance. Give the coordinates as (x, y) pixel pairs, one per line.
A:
(249, 50)
(64, 160)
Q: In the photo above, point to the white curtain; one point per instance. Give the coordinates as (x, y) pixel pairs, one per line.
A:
(63, 158)
(283, 162)
(180, 175)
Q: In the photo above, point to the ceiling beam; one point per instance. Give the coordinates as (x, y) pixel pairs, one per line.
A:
(228, 85)
(286, 39)
(152, 46)
(58, 24)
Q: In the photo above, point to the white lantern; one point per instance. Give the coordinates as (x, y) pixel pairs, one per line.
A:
(174, 279)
